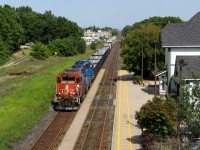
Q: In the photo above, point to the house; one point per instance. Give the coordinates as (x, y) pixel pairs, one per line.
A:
(178, 39)
(187, 68)
(91, 36)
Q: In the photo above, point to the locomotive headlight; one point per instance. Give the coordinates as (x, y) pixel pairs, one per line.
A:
(67, 87)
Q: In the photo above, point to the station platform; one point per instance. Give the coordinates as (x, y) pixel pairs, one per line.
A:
(130, 97)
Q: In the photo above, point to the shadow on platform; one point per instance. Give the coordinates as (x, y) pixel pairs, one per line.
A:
(148, 89)
(135, 140)
(126, 77)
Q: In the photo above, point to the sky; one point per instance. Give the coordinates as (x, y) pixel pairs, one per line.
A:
(111, 13)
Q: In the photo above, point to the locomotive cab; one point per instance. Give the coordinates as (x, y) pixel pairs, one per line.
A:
(68, 90)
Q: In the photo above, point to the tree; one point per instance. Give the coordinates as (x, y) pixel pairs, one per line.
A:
(40, 51)
(143, 39)
(46, 27)
(158, 116)
(115, 32)
(67, 47)
(81, 46)
(189, 100)
(126, 30)
(4, 52)
(93, 45)
(22, 25)
(157, 21)
(144, 35)
(70, 47)
(11, 30)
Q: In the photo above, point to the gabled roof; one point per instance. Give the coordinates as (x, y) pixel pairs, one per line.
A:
(182, 34)
(192, 66)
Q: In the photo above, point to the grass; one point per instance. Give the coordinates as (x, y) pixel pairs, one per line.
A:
(25, 99)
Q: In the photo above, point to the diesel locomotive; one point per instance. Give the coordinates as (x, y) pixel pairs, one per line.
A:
(73, 84)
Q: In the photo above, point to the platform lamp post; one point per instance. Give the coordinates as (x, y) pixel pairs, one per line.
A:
(155, 66)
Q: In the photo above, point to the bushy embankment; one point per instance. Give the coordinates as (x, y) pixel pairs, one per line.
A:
(24, 104)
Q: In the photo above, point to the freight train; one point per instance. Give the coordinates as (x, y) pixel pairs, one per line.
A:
(73, 83)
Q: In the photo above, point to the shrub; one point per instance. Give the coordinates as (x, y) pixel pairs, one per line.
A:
(156, 142)
(55, 47)
(93, 46)
(40, 51)
(67, 47)
(137, 79)
(158, 116)
(81, 46)
(4, 53)
(195, 129)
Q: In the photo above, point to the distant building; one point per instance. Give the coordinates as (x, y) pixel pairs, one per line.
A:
(90, 36)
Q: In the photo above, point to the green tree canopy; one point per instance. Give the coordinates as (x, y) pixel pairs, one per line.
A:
(11, 31)
(40, 51)
(67, 47)
(156, 20)
(146, 39)
(93, 46)
(21, 25)
(46, 27)
(144, 35)
(4, 52)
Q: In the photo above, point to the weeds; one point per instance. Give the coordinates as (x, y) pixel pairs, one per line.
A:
(24, 99)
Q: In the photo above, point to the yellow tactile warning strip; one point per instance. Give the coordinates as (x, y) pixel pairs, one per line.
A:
(129, 120)
(124, 130)
(129, 98)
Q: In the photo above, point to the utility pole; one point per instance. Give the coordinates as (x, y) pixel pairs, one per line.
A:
(182, 63)
(155, 69)
(142, 62)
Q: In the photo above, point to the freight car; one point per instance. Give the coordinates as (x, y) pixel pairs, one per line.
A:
(99, 58)
(73, 84)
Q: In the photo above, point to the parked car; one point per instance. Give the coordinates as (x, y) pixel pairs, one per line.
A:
(29, 44)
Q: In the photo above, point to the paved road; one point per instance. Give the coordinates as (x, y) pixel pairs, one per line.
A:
(130, 97)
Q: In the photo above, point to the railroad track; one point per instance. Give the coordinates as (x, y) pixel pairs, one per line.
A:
(52, 135)
(97, 130)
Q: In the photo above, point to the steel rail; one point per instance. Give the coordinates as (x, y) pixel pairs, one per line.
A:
(108, 100)
(62, 127)
(95, 107)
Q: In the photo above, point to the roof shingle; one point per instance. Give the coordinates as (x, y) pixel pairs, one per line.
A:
(188, 70)
(182, 34)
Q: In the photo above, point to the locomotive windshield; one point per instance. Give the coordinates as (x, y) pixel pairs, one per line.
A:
(58, 80)
(78, 80)
(68, 78)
